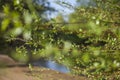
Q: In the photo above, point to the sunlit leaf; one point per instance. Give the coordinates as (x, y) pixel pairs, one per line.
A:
(16, 2)
(17, 31)
(27, 35)
(5, 24)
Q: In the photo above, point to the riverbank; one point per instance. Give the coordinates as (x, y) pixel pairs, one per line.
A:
(31, 73)
(37, 73)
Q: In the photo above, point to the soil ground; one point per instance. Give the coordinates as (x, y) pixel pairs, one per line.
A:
(37, 73)
(34, 73)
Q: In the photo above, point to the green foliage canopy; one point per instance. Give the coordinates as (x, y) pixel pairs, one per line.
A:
(90, 40)
(88, 43)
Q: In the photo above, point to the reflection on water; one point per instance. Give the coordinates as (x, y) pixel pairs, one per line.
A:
(52, 65)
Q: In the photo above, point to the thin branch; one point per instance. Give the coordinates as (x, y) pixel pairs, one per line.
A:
(20, 39)
(69, 22)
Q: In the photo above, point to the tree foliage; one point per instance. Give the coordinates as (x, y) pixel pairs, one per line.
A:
(18, 19)
(88, 43)
(94, 46)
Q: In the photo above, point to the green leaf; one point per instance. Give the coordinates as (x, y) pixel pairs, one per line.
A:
(16, 2)
(5, 24)
(86, 57)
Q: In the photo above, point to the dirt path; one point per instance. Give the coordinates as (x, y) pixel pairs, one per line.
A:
(24, 73)
(13, 74)
(36, 73)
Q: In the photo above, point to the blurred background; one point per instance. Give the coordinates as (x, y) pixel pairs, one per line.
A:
(81, 35)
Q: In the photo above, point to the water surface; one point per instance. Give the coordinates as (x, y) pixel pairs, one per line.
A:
(52, 65)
